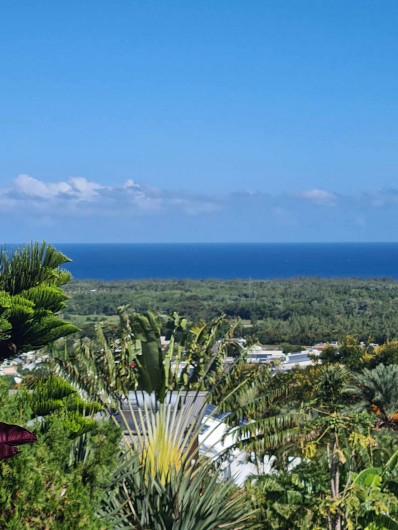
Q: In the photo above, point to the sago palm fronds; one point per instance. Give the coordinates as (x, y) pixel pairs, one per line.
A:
(377, 392)
(330, 385)
(257, 405)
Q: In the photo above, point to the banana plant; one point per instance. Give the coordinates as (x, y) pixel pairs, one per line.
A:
(376, 489)
(146, 350)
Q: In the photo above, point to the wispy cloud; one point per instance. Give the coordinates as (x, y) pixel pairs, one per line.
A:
(85, 197)
(318, 196)
(154, 213)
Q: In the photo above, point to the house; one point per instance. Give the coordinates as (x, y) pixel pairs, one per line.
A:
(258, 355)
(216, 440)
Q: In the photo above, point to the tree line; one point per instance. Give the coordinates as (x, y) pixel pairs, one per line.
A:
(297, 311)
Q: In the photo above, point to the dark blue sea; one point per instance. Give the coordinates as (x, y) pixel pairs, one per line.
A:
(231, 260)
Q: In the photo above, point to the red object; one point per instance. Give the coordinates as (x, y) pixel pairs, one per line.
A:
(11, 435)
(7, 451)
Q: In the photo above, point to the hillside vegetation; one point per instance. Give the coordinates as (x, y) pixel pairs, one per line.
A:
(299, 311)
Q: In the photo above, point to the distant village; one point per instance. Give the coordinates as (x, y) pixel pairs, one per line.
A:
(255, 354)
(26, 362)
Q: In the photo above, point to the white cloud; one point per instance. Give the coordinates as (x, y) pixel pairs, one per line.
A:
(130, 184)
(77, 197)
(318, 196)
(195, 206)
(84, 189)
(76, 187)
(81, 197)
(32, 187)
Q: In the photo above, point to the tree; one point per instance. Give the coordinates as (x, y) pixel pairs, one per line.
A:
(329, 354)
(377, 392)
(386, 354)
(59, 482)
(289, 500)
(30, 298)
(330, 385)
(159, 486)
(264, 419)
(351, 353)
(132, 358)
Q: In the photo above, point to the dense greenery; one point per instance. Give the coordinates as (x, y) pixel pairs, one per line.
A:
(297, 311)
(329, 431)
(157, 486)
(58, 483)
(340, 428)
(30, 298)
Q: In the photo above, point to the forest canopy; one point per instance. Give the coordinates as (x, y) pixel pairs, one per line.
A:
(296, 311)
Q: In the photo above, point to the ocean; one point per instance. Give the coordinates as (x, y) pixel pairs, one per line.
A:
(231, 260)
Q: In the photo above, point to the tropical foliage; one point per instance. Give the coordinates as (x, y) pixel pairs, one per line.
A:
(296, 311)
(30, 298)
(158, 485)
(117, 415)
(132, 358)
(377, 391)
(58, 483)
(166, 485)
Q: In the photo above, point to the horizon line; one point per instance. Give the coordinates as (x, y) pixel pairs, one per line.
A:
(205, 242)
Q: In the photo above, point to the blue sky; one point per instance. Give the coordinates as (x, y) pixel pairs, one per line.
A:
(199, 121)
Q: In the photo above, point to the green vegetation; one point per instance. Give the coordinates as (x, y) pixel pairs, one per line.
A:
(331, 430)
(57, 483)
(30, 297)
(159, 488)
(163, 483)
(328, 433)
(299, 311)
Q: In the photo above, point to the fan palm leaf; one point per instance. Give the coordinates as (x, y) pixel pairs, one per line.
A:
(164, 484)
